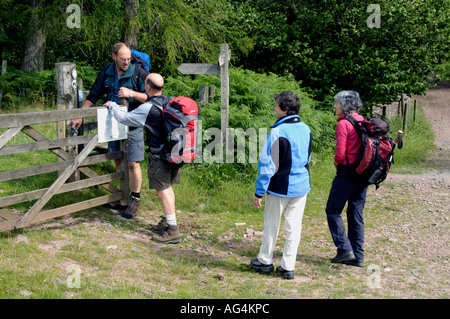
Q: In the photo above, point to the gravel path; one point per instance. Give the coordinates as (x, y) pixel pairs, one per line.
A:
(412, 247)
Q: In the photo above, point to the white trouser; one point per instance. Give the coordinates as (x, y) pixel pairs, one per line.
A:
(293, 213)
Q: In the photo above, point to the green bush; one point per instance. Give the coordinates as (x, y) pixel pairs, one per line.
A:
(37, 87)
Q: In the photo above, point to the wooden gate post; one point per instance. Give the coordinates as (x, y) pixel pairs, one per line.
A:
(224, 57)
(66, 88)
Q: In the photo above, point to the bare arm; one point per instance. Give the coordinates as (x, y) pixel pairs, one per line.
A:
(76, 123)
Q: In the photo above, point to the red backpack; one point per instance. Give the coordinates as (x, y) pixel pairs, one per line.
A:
(180, 130)
(376, 152)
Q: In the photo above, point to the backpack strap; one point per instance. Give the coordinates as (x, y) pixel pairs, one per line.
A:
(160, 107)
(138, 72)
(357, 127)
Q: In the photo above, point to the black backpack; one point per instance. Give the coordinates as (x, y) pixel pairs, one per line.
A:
(376, 152)
(180, 131)
(141, 66)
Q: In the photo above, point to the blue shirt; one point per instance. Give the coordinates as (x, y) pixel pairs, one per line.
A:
(116, 85)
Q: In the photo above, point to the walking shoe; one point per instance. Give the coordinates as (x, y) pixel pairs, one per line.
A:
(132, 209)
(257, 265)
(355, 262)
(171, 235)
(115, 205)
(287, 274)
(342, 257)
(160, 227)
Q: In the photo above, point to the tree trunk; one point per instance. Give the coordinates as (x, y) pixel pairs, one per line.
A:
(131, 28)
(35, 45)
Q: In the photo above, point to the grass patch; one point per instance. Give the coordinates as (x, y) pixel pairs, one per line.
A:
(418, 141)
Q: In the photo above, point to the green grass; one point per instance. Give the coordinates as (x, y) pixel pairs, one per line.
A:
(444, 71)
(417, 142)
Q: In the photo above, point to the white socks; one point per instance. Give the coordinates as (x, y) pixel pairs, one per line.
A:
(171, 220)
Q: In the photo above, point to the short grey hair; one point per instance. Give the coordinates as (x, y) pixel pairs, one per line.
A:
(117, 46)
(349, 101)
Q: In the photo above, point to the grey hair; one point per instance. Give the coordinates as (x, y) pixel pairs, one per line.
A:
(349, 101)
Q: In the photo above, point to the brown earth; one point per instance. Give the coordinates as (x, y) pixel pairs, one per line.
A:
(418, 223)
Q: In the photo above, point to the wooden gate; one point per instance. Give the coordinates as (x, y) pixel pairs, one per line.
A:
(68, 164)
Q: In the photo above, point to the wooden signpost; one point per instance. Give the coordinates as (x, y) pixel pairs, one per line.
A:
(220, 68)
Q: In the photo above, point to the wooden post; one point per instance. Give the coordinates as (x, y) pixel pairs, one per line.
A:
(405, 116)
(222, 69)
(212, 92)
(415, 109)
(66, 88)
(203, 95)
(60, 131)
(224, 57)
(402, 102)
(206, 94)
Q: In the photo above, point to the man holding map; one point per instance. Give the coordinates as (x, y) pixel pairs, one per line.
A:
(161, 174)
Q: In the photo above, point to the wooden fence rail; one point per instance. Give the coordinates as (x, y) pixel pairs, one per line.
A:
(67, 165)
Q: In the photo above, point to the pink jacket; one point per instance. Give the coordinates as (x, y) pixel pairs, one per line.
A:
(347, 140)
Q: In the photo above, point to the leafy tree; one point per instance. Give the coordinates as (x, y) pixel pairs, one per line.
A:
(171, 32)
(332, 45)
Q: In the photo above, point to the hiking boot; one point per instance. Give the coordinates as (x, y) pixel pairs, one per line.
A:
(355, 262)
(160, 227)
(171, 235)
(343, 257)
(132, 209)
(287, 274)
(115, 205)
(257, 265)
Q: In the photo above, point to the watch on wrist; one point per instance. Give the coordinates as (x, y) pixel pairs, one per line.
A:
(131, 93)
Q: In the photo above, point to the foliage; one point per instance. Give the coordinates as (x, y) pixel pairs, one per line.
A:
(171, 32)
(418, 140)
(251, 107)
(38, 86)
(443, 71)
(329, 46)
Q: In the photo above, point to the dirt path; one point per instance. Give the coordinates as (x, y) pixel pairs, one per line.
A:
(413, 246)
(436, 106)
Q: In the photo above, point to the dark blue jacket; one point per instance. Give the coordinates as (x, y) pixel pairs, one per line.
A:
(104, 84)
(283, 167)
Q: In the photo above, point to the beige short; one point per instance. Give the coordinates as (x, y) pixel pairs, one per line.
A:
(162, 174)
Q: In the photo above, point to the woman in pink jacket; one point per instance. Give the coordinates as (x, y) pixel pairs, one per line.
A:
(344, 188)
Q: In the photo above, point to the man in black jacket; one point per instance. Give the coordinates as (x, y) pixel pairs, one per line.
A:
(122, 79)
